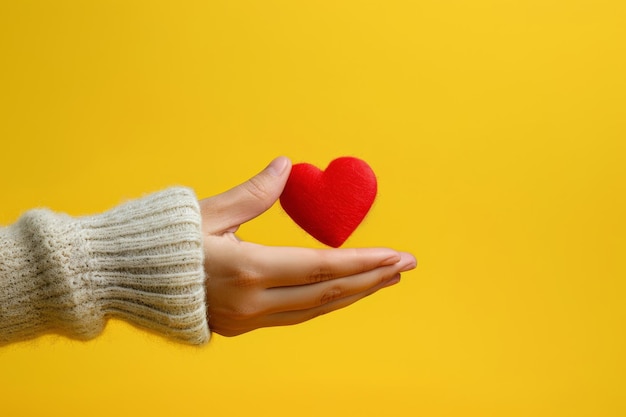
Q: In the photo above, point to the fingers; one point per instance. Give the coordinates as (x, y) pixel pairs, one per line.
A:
(235, 327)
(241, 296)
(305, 297)
(294, 317)
(287, 266)
(238, 205)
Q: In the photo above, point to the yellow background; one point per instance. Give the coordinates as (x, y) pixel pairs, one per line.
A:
(497, 130)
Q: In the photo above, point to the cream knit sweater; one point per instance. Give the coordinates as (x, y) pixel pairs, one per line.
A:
(141, 262)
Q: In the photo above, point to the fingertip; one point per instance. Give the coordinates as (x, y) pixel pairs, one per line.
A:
(392, 257)
(408, 262)
(278, 166)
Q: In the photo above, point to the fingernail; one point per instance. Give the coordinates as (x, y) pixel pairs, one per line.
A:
(277, 167)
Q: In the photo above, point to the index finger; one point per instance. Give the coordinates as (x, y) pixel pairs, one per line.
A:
(288, 266)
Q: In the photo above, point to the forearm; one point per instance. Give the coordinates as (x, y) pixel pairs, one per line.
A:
(141, 262)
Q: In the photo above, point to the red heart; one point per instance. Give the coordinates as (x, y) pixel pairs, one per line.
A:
(330, 204)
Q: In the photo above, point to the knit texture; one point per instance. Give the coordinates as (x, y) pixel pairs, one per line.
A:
(141, 262)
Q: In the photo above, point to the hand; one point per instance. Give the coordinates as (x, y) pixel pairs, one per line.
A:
(251, 286)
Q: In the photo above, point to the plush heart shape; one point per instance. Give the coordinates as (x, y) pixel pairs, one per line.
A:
(330, 204)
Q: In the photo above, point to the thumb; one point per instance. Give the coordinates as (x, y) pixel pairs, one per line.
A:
(240, 204)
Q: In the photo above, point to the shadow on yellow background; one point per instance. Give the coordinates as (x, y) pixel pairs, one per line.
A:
(497, 130)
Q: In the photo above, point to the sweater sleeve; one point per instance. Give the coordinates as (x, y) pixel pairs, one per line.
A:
(141, 262)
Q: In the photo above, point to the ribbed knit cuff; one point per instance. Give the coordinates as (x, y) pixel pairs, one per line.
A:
(141, 261)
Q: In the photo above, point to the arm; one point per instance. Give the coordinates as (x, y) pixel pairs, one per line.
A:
(170, 264)
(142, 262)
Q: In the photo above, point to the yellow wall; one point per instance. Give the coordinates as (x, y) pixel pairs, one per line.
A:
(497, 129)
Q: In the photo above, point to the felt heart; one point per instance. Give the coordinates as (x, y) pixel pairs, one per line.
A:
(330, 204)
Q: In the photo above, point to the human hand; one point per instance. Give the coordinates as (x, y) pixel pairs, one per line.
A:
(251, 286)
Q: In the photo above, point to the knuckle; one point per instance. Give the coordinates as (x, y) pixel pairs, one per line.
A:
(257, 189)
(323, 270)
(246, 279)
(319, 275)
(330, 294)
